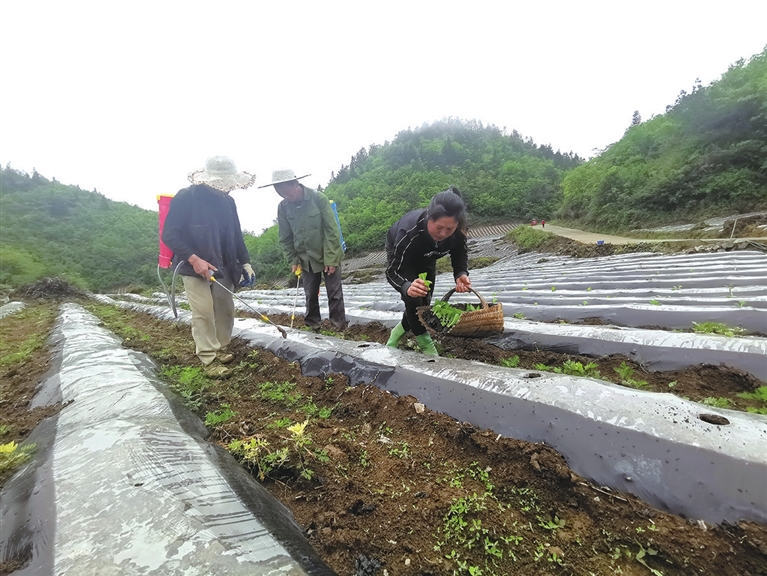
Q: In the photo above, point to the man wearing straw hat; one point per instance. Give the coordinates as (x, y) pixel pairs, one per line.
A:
(203, 230)
(311, 242)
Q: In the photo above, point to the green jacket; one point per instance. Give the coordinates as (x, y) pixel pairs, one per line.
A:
(309, 233)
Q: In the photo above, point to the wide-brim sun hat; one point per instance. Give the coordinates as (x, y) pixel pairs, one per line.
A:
(221, 173)
(283, 175)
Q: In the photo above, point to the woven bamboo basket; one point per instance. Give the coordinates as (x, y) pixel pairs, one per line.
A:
(472, 324)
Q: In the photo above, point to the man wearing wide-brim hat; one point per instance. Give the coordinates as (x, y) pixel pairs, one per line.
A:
(203, 230)
(311, 241)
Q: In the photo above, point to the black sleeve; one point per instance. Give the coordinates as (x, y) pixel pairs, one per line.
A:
(397, 269)
(459, 256)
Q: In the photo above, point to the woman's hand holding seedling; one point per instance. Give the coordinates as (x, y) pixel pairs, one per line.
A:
(420, 286)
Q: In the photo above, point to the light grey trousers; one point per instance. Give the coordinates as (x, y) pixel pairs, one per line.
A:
(212, 315)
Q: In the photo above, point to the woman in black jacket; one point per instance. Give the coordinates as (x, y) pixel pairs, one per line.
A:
(413, 245)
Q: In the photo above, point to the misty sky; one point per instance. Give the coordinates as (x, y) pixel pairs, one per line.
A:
(128, 97)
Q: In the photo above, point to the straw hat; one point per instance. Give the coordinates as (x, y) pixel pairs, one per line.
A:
(284, 175)
(221, 173)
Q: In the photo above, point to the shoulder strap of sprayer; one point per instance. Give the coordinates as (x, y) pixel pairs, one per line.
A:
(338, 222)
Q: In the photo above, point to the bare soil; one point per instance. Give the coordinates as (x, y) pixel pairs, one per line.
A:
(407, 491)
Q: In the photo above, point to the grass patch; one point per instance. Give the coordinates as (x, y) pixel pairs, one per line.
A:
(14, 350)
(760, 396)
(512, 362)
(218, 417)
(719, 328)
(527, 237)
(189, 382)
(444, 265)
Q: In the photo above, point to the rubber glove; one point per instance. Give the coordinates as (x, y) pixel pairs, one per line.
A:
(248, 277)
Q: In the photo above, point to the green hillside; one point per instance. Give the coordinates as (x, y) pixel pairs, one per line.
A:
(502, 176)
(50, 229)
(706, 156)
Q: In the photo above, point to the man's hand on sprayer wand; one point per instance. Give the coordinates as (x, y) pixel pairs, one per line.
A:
(201, 266)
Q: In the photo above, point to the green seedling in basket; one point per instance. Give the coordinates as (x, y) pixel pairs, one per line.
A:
(448, 315)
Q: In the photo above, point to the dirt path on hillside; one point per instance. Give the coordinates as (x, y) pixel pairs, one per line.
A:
(594, 237)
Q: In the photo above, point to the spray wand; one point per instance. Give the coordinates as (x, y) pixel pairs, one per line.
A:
(263, 316)
(295, 299)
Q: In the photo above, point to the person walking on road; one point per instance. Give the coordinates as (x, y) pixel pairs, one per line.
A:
(311, 241)
(203, 230)
(413, 245)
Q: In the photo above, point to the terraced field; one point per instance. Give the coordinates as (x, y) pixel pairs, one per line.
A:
(632, 456)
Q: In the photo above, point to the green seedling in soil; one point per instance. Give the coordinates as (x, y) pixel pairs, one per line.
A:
(573, 368)
(716, 328)
(364, 459)
(300, 442)
(554, 558)
(280, 423)
(550, 524)
(626, 374)
(217, 417)
(553, 288)
(655, 302)
(189, 382)
(588, 289)
(401, 450)
(672, 384)
(760, 395)
(310, 408)
(11, 456)
(585, 303)
(4, 430)
(422, 276)
(716, 402)
(279, 393)
(519, 315)
(254, 455)
(640, 558)
(543, 367)
(512, 362)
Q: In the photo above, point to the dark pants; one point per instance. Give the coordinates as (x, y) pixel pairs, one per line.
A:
(410, 319)
(335, 298)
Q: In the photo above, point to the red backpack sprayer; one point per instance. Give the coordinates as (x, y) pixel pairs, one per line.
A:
(165, 260)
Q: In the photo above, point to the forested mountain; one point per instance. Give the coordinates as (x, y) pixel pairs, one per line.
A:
(50, 229)
(707, 155)
(501, 176)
